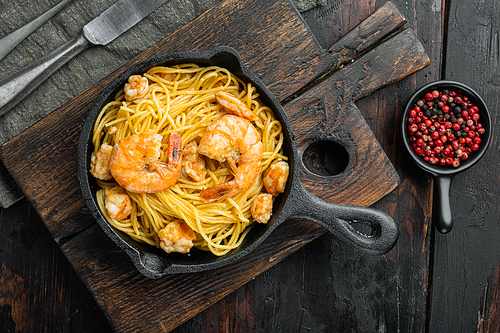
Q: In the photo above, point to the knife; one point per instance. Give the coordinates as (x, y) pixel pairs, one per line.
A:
(114, 21)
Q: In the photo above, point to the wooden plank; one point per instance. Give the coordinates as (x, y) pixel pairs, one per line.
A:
(323, 114)
(386, 21)
(39, 288)
(410, 266)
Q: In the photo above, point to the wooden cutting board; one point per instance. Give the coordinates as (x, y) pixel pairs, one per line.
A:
(317, 88)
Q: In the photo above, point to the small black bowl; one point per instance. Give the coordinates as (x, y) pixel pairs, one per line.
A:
(443, 175)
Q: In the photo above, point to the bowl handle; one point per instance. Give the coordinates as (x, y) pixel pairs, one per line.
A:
(338, 219)
(442, 216)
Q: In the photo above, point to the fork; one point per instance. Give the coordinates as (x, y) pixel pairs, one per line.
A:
(9, 42)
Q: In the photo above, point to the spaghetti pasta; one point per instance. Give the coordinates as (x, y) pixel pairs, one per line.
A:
(181, 99)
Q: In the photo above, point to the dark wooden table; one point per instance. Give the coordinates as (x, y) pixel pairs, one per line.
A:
(428, 282)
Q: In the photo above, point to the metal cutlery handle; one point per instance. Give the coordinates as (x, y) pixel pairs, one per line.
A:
(16, 87)
(10, 41)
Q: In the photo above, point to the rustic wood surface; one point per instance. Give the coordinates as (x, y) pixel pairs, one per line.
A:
(429, 282)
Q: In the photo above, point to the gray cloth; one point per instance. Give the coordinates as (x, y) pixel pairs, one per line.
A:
(87, 68)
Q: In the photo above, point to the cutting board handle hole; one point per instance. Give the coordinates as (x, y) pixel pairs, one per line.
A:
(325, 158)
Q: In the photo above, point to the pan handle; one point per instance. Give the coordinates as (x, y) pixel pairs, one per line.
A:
(338, 219)
(442, 216)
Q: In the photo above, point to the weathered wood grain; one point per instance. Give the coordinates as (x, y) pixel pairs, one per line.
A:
(411, 202)
(325, 111)
(39, 289)
(384, 22)
(265, 256)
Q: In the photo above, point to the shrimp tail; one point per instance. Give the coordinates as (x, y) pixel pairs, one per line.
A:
(220, 191)
(170, 172)
(175, 151)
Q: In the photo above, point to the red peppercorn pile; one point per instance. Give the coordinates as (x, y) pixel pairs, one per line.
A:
(444, 127)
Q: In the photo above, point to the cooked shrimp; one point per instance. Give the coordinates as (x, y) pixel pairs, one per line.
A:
(135, 165)
(235, 140)
(232, 104)
(176, 237)
(118, 203)
(276, 177)
(99, 162)
(262, 207)
(136, 88)
(193, 165)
